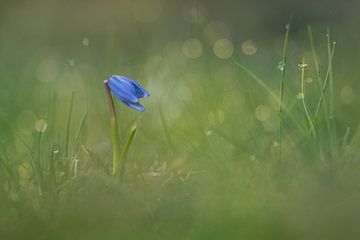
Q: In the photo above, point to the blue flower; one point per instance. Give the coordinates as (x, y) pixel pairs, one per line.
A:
(128, 91)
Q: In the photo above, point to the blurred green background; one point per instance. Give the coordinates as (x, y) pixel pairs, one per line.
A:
(204, 163)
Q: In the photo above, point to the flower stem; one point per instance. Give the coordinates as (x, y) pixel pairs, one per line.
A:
(115, 131)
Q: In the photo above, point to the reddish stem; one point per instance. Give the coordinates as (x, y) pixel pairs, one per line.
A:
(110, 99)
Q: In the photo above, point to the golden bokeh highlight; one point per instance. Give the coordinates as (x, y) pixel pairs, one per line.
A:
(248, 47)
(262, 113)
(192, 48)
(223, 48)
(41, 125)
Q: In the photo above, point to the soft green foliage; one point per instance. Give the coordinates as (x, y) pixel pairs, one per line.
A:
(220, 153)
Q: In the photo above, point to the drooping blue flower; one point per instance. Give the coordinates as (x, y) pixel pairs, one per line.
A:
(128, 91)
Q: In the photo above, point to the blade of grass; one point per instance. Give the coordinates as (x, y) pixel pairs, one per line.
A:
(80, 133)
(68, 126)
(303, 66)
(314, 55)
(345, 139)
(331, 83)
(6, 169)
(323, 90)
(166, 132)
(282, 83)
(125, 150)
(37, 164)
(52, 165)
(268, 90)
(332, 132)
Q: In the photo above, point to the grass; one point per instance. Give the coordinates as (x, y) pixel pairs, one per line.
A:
(201, 163)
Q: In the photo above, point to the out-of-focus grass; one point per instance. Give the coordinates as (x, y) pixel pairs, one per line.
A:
(205, 161)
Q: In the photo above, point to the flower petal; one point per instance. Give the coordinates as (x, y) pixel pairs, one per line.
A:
(139, 90)
(122, 89)
(137, 106)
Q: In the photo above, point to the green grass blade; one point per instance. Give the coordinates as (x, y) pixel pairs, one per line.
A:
(269, 91)
(256, 78)
(324, 87)
(80, 133)
(125, 150)
(282, 83)
(68, 126)
(166, 131)
(314, 55)
(305, 104)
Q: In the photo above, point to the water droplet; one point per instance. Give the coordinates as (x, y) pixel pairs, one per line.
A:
(300, 96)
(281, 66)
(302, 65)
(41, 125)
(85, 42)
(309, 80)
(71, 62)
(287, 26)
(208, 132)
(334, 43)
(56, 151)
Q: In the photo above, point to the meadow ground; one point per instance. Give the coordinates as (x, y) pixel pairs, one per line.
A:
(249, 132)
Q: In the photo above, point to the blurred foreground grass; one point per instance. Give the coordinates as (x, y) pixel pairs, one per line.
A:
(205, 162)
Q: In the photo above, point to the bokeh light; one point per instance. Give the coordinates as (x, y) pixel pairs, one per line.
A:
(192, 48)
(248, 47)
(262, 113)
(223, 48)
(41, 125)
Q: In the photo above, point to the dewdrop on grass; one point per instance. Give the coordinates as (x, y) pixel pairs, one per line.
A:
(300, 96)
(281, 66)
(85, 42)
(41, 125)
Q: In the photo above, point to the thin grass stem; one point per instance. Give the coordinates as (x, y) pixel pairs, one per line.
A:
(68, 126)
(282, 83)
